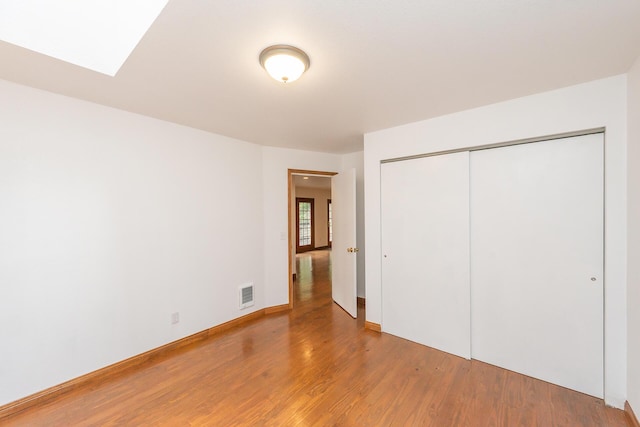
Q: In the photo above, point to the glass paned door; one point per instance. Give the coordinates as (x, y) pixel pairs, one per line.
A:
(329, 222)
(304, 224)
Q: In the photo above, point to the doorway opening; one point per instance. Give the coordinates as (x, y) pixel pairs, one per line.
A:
(313, 220)
(312, 285)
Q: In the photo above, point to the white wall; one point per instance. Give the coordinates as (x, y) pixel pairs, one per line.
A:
(276, 163)
(595, 104)
(321, 199)
(110, 222)
(633, 290)
(356, 160)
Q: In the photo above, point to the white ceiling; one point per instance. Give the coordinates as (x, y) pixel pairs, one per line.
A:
(313, 181)
(374, 63)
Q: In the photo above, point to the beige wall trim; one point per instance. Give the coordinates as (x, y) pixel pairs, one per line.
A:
(95, 377)
(631, 416)
(372, 326)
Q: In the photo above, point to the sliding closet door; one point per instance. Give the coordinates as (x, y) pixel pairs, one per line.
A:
(425, 246)
(537, 260)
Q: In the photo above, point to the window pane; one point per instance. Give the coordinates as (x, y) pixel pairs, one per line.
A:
(330, 225)
(304, 223)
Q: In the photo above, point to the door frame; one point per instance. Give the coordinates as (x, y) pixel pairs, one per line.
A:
(290, 218)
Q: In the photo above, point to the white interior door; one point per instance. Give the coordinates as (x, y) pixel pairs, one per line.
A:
(343, 247)
(537, 260)
(425, 250)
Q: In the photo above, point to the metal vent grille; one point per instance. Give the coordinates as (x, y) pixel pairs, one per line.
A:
(246, 295)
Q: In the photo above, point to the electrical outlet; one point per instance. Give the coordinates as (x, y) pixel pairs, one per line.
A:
(175, 318)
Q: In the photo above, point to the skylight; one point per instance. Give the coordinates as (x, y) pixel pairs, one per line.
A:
(95, 34)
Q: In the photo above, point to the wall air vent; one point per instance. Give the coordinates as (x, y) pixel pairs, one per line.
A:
(246, 295)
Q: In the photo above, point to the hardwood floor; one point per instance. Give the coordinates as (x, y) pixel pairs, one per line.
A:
(316, 366)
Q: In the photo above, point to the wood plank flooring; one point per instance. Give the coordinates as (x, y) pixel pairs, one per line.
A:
(316, 366)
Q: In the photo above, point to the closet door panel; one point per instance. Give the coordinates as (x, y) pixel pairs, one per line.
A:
(425, 246)
(537, 260)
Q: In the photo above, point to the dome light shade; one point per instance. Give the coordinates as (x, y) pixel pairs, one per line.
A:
(284, 63)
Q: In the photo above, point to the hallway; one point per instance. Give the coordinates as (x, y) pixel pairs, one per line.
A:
(314, 276)
(313, 282)
(316, 366)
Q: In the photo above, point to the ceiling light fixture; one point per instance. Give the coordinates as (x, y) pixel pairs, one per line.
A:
(284, 63)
